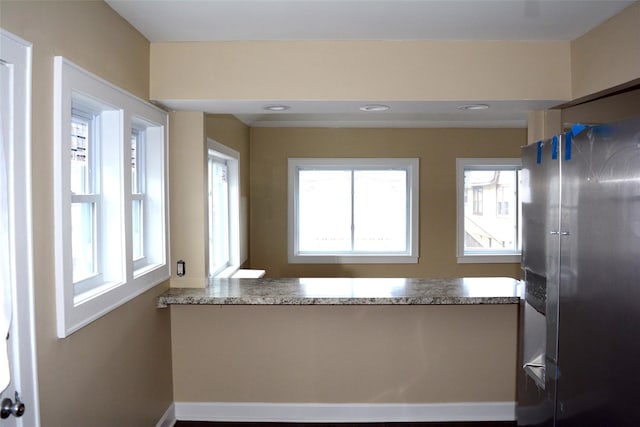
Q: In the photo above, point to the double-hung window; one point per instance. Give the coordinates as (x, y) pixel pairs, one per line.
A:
(489, 214)
(85, 199)
(148, 240)
(110, 196)
(223, 210)
(353, 210)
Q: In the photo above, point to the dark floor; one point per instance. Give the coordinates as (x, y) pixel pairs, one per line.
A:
(450, 424)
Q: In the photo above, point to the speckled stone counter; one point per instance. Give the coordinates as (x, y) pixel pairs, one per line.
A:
(347, 291)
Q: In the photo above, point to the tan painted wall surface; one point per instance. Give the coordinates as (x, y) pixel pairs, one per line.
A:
(543, 124)
(437, 150)
(605, 110)
(116, 371)
(344, 354)
(188, 189)
(361, 70)
(608, 55)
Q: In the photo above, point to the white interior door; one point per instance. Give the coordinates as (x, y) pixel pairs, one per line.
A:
(16, 256)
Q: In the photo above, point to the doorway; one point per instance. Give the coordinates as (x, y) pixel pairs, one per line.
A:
(16, 249)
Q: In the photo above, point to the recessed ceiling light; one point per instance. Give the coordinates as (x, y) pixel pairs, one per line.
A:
(276, 107)
(473, 107)
(375, 107)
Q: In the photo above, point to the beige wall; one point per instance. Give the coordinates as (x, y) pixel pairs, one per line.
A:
(344, 354)
(361, 70)
(188, 185)
(115, 371)
(188, 189)
(606, 110)
(608, 55)
(437, 150)
(543, 125)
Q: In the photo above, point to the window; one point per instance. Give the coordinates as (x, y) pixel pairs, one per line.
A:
(224, 210)
(137, 195)
(148, 247)
(353, 210)
(110, 217)
(85, 199)
(489, 214)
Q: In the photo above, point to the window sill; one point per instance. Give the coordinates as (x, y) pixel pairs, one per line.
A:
(490, 259)
(235, 272)
(141, 271)
(353, 259)
(94, 292)
(227, 272)
(245, 273)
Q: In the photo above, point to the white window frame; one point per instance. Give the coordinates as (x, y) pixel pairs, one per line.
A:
(140, 194)
(410, 256)
(89, 113)
(117, 112)
(152, 162)
(497, 257)
(232, 159)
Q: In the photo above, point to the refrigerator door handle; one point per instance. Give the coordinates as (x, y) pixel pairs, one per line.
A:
(533, 365)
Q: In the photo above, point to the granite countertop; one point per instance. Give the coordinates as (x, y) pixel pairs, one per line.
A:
(347, 291)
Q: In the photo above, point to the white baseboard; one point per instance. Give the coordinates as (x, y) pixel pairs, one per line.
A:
(169, 417)
(347, 412)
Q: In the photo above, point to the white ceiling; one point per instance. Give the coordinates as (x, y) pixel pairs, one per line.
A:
(216, 20)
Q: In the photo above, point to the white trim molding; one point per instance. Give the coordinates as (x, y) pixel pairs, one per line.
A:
(114, 278)
(408, 255)
(484, 256)
(345, 412)
(168, 418)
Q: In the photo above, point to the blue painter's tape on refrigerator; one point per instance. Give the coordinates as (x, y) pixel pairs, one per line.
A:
(577, 128)
(567, 145)
(554, 147)
(539, 153)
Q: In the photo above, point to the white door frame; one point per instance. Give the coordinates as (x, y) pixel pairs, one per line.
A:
(17, 53)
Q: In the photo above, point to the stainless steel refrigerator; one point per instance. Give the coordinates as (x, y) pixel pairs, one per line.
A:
(580, 316)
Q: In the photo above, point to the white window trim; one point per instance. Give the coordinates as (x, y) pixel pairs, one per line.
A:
(479, 163)
(412, 165)
(75, 311)
(233, 166)
(154, 196)
(141, 194)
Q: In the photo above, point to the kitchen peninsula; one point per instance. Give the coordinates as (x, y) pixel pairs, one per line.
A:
(415, 348)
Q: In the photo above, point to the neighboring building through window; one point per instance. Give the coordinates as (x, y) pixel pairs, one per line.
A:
(489, 214)
(353, 210)
(504, 197)
(477, 200)
(85, 198)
